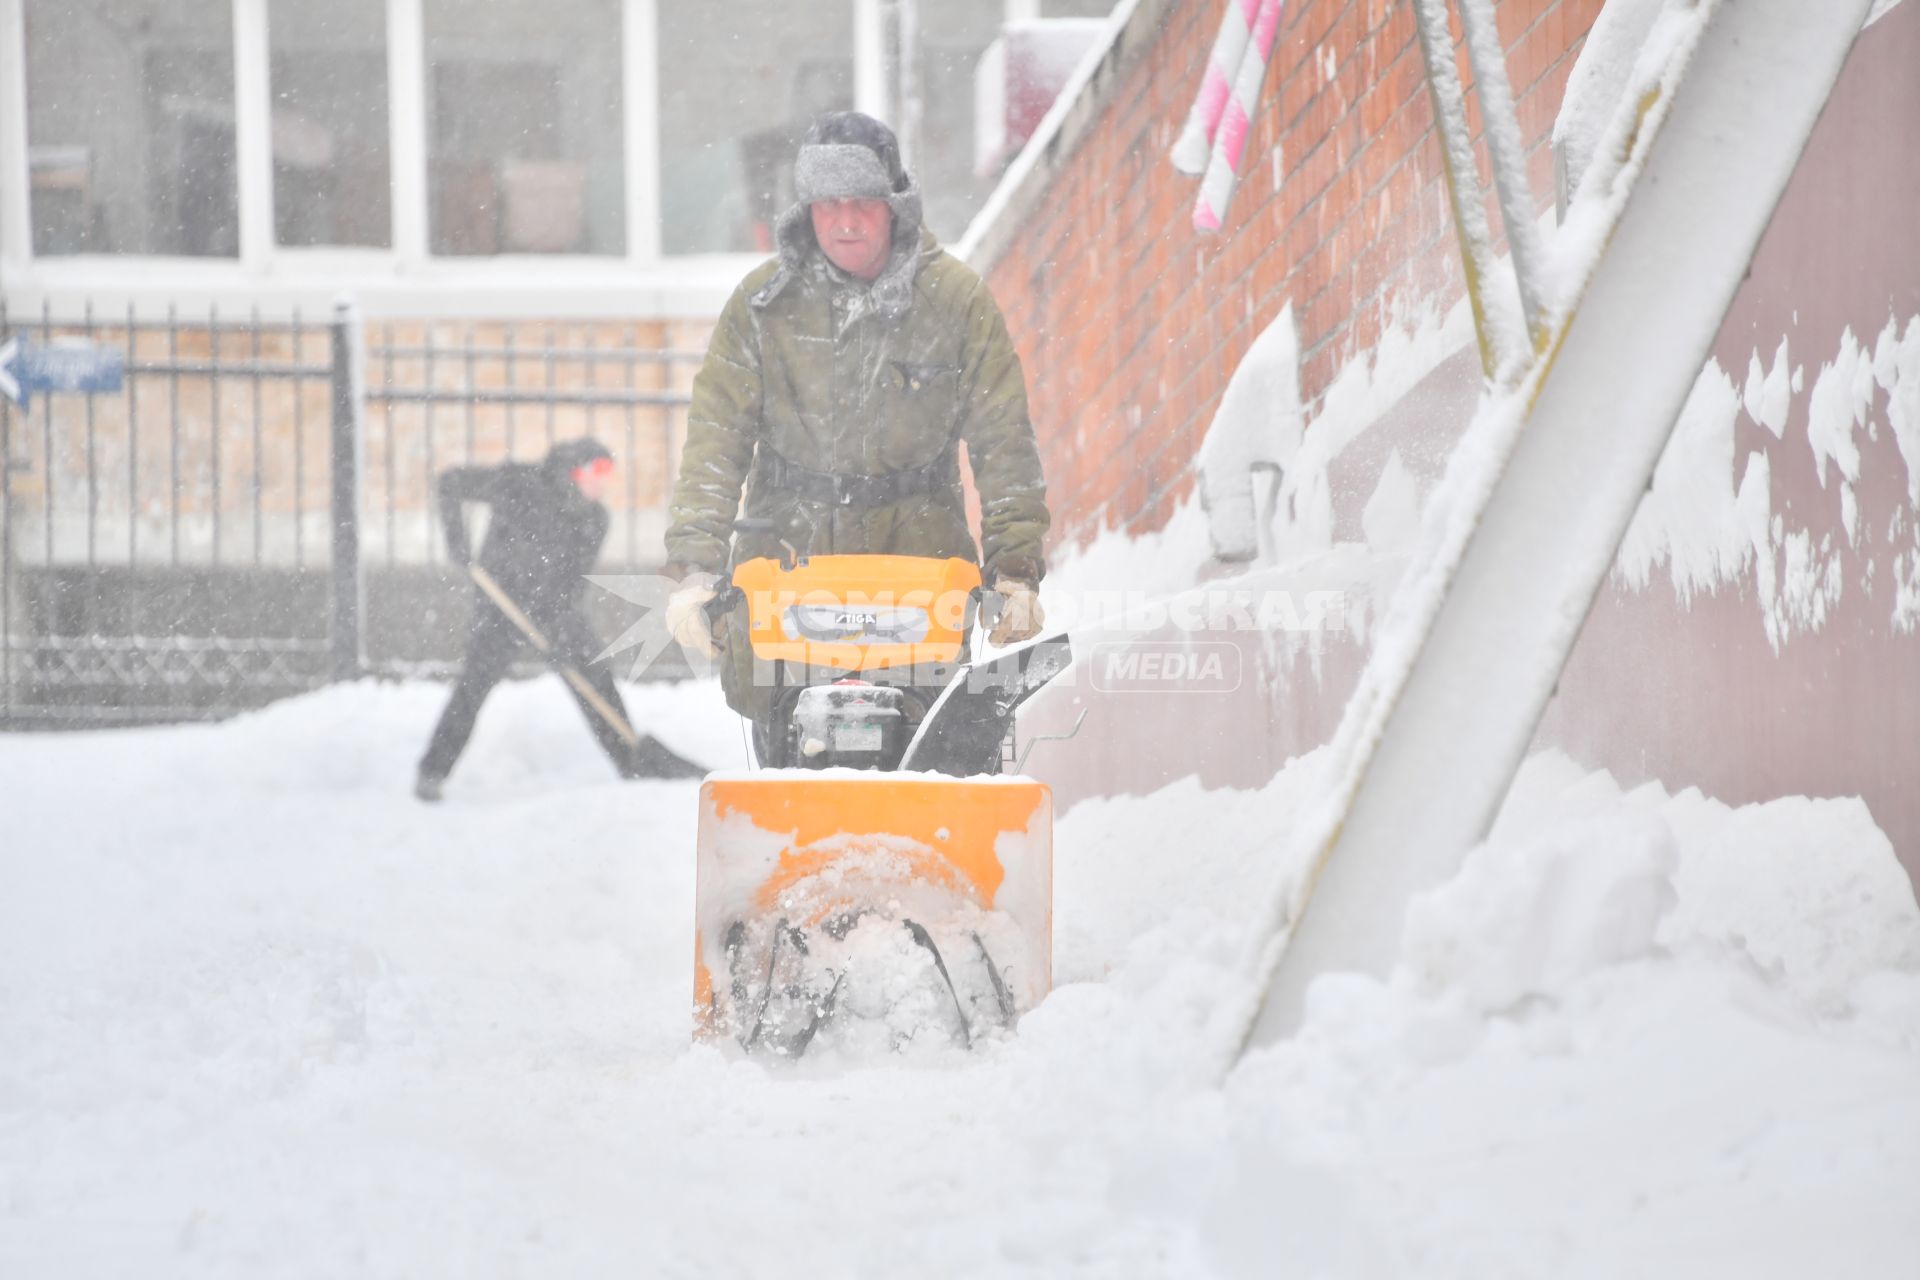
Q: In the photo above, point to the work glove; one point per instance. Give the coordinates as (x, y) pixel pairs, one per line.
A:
(1020, 614)
(687, 620)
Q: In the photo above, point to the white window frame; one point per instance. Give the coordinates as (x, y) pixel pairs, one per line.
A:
(406, 279)
(870, 60)
(253, 131)
(407, 131)
(16, 225)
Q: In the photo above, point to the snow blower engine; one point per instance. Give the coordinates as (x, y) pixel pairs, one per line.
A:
(874, 885)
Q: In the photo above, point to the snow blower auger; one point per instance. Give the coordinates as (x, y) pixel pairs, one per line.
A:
(874, 884)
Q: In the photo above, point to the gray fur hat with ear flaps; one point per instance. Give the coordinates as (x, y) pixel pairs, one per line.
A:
(850, 156)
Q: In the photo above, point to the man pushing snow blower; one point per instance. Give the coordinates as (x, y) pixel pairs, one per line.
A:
(841, 381)
(543, 535)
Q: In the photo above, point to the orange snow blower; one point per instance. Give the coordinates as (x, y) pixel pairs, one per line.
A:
(873, 884)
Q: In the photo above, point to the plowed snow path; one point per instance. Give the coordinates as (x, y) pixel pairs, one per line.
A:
(262, 1015)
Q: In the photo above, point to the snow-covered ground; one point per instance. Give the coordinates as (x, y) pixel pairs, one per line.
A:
(263, 1015)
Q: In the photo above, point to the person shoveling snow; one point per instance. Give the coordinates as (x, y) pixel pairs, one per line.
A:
(545, 531)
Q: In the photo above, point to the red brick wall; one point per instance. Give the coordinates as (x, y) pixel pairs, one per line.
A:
(1117, 303)
(1130, 323)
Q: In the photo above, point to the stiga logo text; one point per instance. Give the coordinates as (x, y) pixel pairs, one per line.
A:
(1166, 666)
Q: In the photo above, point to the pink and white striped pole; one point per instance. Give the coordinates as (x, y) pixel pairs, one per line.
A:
(1223, 167)
(1196, 139)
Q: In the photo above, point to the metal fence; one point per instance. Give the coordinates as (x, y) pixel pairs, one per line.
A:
(251, 514)
(432, 404)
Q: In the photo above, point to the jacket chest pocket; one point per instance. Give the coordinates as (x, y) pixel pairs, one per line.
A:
(923, 381)
(925, 395)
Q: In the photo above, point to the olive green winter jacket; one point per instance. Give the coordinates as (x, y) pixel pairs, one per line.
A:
(813, 366)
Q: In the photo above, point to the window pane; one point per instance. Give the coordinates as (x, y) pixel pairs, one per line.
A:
(331, 182)
(952, 36)
(130, 127)
(735, 97)
(524, 127)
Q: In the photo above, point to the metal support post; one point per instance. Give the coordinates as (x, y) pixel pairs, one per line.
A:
(9, 614)
(348, 605)
(1462, 174)
(1508, 156)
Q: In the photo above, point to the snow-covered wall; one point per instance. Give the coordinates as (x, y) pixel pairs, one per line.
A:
(1761, 633)
(1765, 607)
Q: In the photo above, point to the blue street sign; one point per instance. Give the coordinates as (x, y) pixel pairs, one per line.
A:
(65, 364)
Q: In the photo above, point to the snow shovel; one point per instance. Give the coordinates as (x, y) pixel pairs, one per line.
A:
(590, 695)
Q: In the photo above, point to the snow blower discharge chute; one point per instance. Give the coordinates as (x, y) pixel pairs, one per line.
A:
(873, 885)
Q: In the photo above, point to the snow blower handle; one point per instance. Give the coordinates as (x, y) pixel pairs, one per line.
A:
(726, 596)
(789, 554)
(722, 603)
(588, 694)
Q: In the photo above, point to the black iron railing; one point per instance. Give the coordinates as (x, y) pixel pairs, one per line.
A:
(251, 514)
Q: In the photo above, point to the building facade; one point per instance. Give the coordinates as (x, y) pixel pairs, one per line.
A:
(451, 157)
(532, 214)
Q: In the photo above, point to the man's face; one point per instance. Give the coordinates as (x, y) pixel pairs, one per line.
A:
(856, 235)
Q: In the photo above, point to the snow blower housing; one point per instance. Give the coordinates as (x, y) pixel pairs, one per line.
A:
(856, 649)
(873, 885)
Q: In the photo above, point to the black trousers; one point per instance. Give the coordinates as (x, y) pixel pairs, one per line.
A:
(491, 648)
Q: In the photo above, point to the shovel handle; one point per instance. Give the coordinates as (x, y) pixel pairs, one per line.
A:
(588, 694)
(498, 594)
